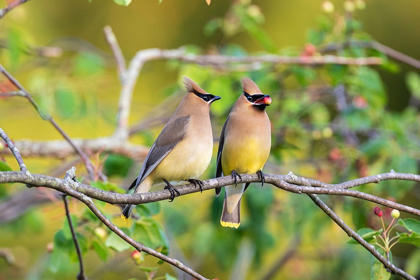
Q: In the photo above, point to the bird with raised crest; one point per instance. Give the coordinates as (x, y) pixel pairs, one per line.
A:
(244, 147)
(183, 150)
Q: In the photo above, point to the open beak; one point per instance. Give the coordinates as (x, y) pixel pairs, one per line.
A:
(266, 100)
(215, 99)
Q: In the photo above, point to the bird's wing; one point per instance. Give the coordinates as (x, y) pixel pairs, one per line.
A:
(219, 170)
(171, 135)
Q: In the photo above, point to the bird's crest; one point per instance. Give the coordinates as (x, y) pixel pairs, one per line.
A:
(191, 86)
(249, 86)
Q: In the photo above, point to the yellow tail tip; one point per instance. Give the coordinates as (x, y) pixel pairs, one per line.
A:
(229, 224)
(124, 217)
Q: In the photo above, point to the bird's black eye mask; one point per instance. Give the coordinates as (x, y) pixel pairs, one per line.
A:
(254, 97)
(207, 97)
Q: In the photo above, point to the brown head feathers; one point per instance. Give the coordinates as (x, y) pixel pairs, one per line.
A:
(249, 86)
(191, 86)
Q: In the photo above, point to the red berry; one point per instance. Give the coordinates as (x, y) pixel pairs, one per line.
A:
(135, 255)
(310, 49)
(378, 212)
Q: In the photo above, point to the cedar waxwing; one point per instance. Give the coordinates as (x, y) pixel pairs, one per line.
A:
(183, 150)
(244, 147)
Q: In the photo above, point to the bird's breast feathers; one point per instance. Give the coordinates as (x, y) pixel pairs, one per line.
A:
(246, 155)
(189, 159)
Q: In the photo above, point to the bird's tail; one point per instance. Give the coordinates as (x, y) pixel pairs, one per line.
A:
(231, 215)
(127, 211)
(142, 188)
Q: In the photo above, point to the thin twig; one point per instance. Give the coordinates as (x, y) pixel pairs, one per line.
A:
(373, 45)
(289, 183)
(6, 254)
(11, 6)
(354, 235)
(81, 275)
(116, 50)
(85, 158)
(14, 150)
(140, 247)
(60, 149)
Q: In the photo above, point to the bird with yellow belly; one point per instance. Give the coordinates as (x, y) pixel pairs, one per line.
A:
(244, 147)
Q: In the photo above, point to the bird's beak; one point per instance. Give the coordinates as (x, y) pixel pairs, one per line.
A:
(215, 99)
(266, 100)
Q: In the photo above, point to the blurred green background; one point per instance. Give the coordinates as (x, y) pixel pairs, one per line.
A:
(80, 88)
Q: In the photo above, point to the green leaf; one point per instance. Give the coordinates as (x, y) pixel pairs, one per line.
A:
(304, 75)
(123, 2)
(413, 238)
(378, 271)
(14, 44)
(170, 277)
(66, 227)
(100, 249)
(116, 165)
(148, 269)
(60, 241)
(367, 234)
(4, 166)
(107, 186)
(149, 209)
(88, 63)
(412, 266)
(260, 35)
(150, 233)
(410, 224)
(413, 82)
(66, 102)
(58, 260)
(115, 242)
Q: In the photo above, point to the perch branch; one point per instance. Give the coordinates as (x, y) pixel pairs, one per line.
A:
(353, 234)
(290, 183)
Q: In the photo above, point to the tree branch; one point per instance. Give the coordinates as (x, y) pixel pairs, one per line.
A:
(61, 149)
(218, 61)
(116, 50)
(11, 6)
(81, 275)
(374, 45)
(353, 234)
(289, 183)
(14, 150)
(140, 247)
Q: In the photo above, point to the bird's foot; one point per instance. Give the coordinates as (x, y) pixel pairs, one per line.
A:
(235, 175)
(197, 182)
(172, 190)
(261, 176)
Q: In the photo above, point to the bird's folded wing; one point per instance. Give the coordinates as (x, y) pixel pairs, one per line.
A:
(219, 170)
(173, 133)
